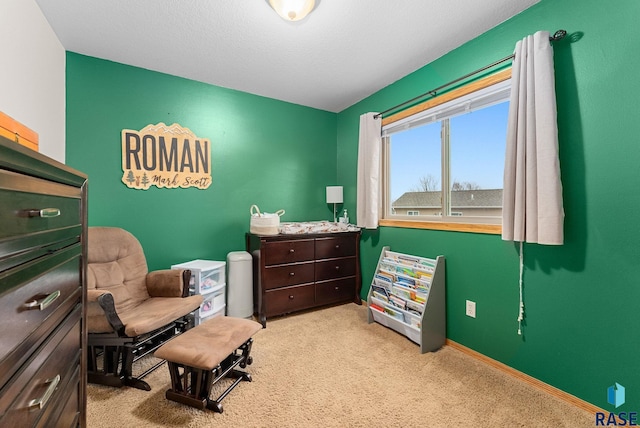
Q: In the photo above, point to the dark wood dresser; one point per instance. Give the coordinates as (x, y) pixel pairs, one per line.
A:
(42, 270)
(296, 272)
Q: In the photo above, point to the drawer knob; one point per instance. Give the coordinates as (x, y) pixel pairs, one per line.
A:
(337, 288)
(290, 296)
(44, 303)
(292, 251)
(42, 401)
(337, 267)
(337, 246)
(292, 273)
(44, 213)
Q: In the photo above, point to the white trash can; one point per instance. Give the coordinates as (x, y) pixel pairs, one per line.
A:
(239, 284)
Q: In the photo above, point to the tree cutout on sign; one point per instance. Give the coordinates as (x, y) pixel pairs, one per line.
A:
(130, 177)
(145, 179)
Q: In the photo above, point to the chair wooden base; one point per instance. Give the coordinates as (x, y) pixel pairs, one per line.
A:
(111, 357)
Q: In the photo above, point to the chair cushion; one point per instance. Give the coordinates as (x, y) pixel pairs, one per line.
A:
(157, 312)
(116, 262)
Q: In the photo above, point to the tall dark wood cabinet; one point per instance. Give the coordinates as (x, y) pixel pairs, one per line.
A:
(297, 272)
(43, 215)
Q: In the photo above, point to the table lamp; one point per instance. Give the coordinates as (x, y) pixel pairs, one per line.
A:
(334, 196)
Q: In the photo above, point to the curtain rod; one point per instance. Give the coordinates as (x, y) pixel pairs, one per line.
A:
(558, 35)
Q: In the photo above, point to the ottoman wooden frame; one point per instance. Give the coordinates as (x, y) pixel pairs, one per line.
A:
(205, 354)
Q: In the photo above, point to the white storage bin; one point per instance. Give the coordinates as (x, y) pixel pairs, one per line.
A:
(212, 302)
(208, 278)
(200, 319)
(206, 275)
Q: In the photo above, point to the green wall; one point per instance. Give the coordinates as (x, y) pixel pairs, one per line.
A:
(265, 152)
(581, 332)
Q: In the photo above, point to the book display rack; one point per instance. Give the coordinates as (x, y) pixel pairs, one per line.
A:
(407, 294)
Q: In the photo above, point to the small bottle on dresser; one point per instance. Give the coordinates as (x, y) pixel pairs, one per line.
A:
(344, 219)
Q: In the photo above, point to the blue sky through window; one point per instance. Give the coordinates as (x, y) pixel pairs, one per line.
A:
(477, 145)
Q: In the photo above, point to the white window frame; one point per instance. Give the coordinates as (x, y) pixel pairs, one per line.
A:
(485, 96)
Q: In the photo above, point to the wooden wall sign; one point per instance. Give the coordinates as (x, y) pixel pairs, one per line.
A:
(165, 156)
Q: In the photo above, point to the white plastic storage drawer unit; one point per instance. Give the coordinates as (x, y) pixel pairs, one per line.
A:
(212, 303)
(206, 275)
(208, 315)
(207, 279)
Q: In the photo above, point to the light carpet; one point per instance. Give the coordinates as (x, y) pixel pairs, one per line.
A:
(330, 368)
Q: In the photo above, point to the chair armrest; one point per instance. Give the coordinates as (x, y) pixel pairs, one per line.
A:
(108, 306)
(97, 321)
(93, 295)
(168, 283)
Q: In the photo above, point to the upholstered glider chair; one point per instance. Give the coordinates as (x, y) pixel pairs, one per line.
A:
(130, 311)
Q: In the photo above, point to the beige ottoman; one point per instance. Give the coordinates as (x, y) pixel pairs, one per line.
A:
(207, 353)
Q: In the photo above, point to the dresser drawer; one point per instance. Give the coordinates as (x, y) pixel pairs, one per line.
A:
(289, 299)
(339, 290)
(334, 247)
(35, 298)
(29, 205)
(24, 400)
(285, 275)
(64, 413)
(335, 268)
(23, 250)
(281, 252)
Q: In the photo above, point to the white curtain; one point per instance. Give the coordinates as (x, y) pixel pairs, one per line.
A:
(368, 185)
(532, 198)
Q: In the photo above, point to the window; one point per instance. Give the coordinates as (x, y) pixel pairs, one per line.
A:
(445, 163)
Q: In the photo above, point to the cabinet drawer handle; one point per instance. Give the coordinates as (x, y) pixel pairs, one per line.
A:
(44, 303)
(337, 246)
(337, 288)
(337, 267)
(292, 251)
(291, 297)
(44, 213)
(292, 273)
(42, 401)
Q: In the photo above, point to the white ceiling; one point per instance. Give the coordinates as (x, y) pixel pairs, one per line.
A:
(344, 51)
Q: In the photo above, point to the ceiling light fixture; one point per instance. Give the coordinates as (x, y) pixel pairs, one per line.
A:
(292, 10)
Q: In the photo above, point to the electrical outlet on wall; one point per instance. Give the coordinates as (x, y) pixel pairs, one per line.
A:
(471, 309)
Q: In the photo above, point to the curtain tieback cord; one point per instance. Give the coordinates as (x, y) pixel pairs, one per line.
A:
(521, 311)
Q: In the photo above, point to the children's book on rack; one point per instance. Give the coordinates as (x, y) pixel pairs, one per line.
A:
(381, 293)
(407, 295)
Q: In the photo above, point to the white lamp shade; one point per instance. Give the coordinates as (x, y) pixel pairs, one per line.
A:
(334, 194)
(292, 10)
